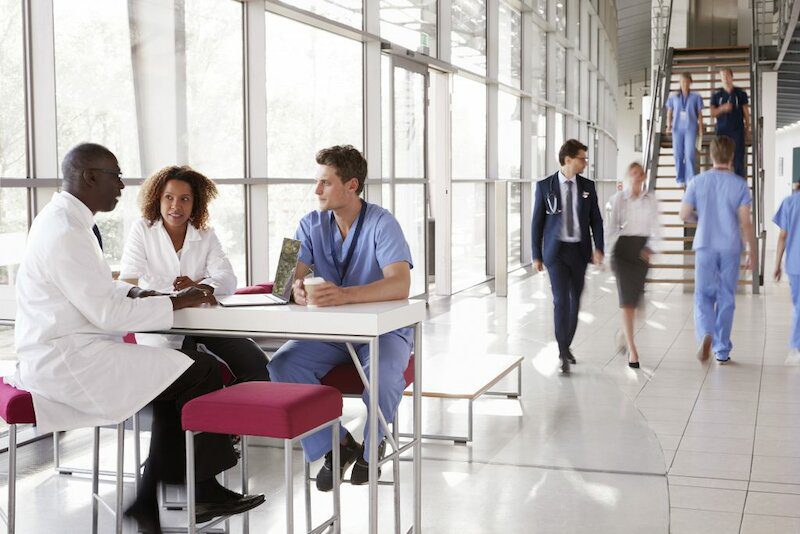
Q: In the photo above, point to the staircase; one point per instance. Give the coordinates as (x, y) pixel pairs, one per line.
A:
(673, 262)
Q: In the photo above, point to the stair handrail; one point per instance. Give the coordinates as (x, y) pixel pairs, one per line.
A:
(756, 138)
(660, 92)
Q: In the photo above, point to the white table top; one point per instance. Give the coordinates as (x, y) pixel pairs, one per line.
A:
(369, 319)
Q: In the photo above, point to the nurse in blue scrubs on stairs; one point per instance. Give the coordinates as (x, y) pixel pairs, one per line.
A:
(684, 122)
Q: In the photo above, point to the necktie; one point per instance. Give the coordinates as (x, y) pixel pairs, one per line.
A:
(570, 215)
(96, 231)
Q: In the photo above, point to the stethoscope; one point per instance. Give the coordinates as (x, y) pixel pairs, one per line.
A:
(552, 201)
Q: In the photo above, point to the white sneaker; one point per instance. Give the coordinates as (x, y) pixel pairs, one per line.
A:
(793, 358)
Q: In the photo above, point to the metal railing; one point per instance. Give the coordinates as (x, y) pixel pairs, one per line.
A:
(662, 23)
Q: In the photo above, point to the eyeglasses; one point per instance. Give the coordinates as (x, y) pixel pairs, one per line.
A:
(114, 172)
(585, 159)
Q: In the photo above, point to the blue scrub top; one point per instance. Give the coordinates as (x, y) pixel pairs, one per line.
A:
(717, 196)
(691, 104)
(788, 218)
(733, 121)
(380, 243)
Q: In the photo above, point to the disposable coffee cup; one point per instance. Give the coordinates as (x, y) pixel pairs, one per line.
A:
(311, 285)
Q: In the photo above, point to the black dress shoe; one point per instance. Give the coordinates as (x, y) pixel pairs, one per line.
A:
(571, 357)
(360, 474)
(348, 454)
(564, 364)
(206, 511)
(634, 365)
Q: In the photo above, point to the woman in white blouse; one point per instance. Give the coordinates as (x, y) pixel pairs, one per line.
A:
(630, 232)
(172, 247)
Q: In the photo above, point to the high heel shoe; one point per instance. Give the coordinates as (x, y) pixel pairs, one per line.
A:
(633, 365)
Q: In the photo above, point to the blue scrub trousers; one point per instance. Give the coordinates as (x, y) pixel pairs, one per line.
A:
(716, 278)
(683, 146)
(307, 362)
(738, 154)
(794, 280)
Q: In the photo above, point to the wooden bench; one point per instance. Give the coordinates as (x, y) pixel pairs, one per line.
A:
(467, 379)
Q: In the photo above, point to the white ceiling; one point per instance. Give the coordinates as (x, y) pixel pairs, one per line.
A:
(634, 41)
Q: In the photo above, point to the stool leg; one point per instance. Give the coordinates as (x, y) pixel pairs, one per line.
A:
(12, 478)
(287, 465)
(245, 484)
(120, 476)
(137, 454)
(191, 525)
(307, 491)
(396, 479)
(95, 476)
(337, 479)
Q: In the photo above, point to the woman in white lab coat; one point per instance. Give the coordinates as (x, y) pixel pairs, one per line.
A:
(172, 247)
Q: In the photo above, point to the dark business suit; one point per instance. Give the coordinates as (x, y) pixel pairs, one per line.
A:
(566, 262)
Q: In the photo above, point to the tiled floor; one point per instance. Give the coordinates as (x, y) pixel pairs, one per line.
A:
(673, 447)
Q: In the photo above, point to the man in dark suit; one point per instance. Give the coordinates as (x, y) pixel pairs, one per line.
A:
(565, 212)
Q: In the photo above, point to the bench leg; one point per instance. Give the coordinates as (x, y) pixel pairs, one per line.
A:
(245, 484)
(95, 476)
(288, 474)
(191, 524)
(12, 479)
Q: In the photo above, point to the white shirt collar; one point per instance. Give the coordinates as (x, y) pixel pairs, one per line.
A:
(75, 206)
(563, 179)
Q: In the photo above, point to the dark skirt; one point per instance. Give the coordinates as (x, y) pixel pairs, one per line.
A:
(630, 269)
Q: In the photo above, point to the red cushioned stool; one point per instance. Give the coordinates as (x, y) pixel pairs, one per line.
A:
(16, 408)
(268, 409)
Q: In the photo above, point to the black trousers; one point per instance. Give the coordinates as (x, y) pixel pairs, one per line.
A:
(243, 356)
(567, 273)
(166, 462)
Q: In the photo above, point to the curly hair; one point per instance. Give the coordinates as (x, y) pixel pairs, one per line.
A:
(203, 190)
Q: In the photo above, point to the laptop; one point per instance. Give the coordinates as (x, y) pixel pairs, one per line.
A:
(281, 287)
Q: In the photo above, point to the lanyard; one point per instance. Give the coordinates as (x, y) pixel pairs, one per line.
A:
(684, 101)
(342, 271)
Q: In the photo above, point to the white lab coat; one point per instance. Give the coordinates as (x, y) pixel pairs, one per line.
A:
(71, 316)
(150, 257)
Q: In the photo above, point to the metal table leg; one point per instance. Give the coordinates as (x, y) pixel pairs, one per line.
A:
(417, 524)
(373, 442)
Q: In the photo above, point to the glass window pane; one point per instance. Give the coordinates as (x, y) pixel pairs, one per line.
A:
(559, 135)
(93, 44)
(287, 204)
(409, 124)
(227, 217)
(409, 208)
(214, 87)
(514, 225)
(469, 235)
(468, 35)
(539, 67)
(468, 129)
(345, 11)
(114, 225)
(539, 142)
(314, 95)
(561, 16)
(561, 75)
(510, 48)
(541, 8)
(12, 92)
(410, 23)
(509, 137)
(386, 117)
(13, 229)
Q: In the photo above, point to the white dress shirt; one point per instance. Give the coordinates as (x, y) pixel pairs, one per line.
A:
(150, 257)
(71, 316)
(576, 236)
(632, 216)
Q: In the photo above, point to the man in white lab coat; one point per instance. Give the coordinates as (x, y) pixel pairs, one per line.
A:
(71, 317)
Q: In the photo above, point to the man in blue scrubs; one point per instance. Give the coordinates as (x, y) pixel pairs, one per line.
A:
(731, 107)
(684, 122)
(360, 250)
(720, 203)
(788, 220)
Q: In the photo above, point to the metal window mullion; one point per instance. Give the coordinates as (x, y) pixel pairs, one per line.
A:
(526, 130)
(444, 25)
(371, 98)
(492, 127)
(255, 114)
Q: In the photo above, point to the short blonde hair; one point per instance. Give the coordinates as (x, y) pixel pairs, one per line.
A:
(722, 149)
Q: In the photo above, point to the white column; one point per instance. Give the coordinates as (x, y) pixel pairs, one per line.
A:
(372, 104)
(774, 192)
(439, 149)
(501, 239)
(492, 69)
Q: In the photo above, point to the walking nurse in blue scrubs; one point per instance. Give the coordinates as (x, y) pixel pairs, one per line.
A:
(788, 220)
(684, 122)
(720, 203)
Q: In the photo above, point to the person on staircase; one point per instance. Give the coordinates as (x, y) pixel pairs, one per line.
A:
(629, 237)
(685, 123)
(719, 201)
(731, 107)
